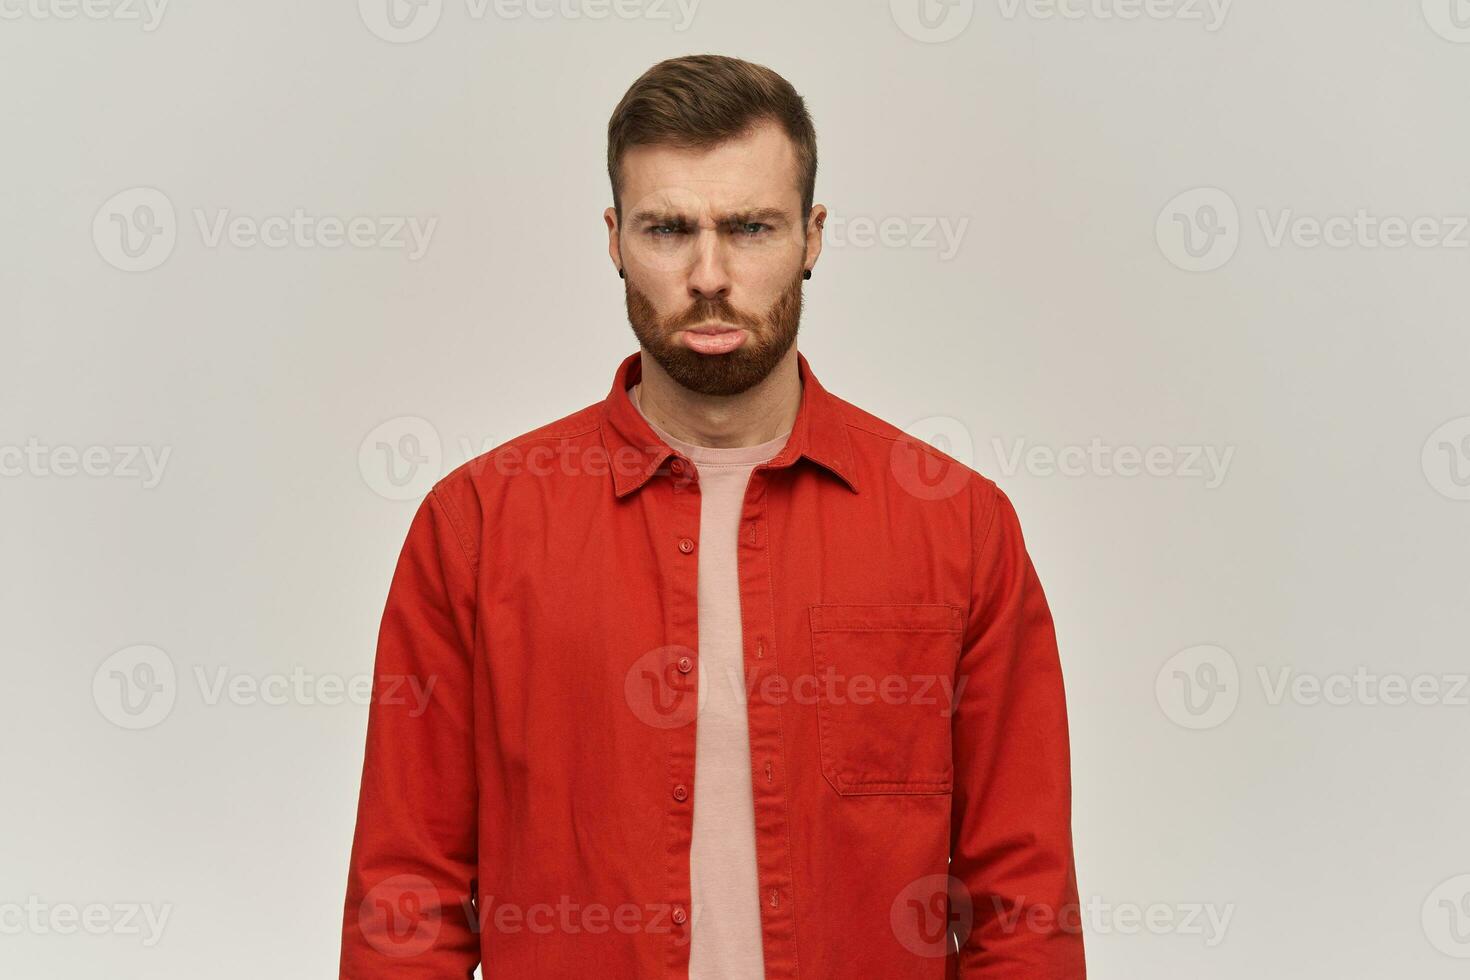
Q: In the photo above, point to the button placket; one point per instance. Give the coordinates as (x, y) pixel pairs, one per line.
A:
(681, 493)
(763, 655)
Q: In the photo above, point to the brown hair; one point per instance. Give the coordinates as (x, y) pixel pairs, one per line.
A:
(703, 99)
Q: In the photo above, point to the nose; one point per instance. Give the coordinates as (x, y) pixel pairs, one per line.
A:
(709, 278)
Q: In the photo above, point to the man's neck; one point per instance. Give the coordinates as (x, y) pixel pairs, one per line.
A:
(758, 414)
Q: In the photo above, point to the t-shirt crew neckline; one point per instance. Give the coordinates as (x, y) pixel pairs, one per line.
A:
(715, 455)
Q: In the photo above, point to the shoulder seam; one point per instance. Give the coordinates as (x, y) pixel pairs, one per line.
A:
(918, 443)
(466, 547)
(539, 436)
(982, 540)
(476, 464)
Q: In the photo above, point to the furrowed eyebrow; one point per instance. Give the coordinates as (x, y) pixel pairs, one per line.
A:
(756, 214)
(771, 215)
(659, 218)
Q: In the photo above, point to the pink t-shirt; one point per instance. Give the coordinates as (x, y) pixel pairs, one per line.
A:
(725, 941)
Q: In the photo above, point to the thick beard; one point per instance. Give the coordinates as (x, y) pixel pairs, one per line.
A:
(731, 373)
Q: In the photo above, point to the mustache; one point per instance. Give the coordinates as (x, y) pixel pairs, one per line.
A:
(702, 311)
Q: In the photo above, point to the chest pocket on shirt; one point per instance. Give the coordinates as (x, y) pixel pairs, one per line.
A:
(884, 689)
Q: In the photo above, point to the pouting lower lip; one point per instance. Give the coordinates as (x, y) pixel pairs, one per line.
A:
(719, 342)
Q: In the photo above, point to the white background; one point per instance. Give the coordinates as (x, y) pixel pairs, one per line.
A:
(1070, 150)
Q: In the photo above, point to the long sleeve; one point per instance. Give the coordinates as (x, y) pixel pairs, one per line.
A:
(411, 883)
(1011, 836)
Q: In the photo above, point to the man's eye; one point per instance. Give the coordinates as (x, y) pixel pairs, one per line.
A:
(663, 231)
(752, 228)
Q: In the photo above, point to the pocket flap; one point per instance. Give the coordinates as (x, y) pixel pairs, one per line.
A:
(886, 616)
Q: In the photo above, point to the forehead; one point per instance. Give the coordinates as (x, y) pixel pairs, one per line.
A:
(757, 168)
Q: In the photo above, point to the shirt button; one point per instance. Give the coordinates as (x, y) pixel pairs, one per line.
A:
(677, 467)
(685, 665)
(680, 793)
(686, 545)
(679, 914)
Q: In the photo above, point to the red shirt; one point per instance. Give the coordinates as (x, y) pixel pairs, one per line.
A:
(527, 791)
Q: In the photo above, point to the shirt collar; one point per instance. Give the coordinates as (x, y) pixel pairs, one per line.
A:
(635, 452)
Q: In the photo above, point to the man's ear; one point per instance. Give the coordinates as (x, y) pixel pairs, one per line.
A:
(814, 223)
(614, 250)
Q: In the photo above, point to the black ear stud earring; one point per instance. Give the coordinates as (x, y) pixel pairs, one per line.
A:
(620, 274)
(807, 274)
